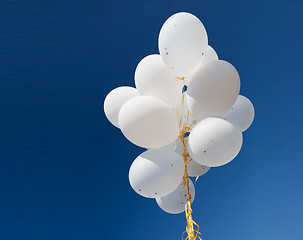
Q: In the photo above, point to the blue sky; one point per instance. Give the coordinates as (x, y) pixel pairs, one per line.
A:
(64, 167)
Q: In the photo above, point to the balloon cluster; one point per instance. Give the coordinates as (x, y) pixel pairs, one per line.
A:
(186, 110)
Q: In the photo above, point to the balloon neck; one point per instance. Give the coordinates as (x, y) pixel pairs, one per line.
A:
(181, 79)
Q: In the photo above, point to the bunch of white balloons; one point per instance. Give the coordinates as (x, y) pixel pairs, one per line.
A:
(149, 115)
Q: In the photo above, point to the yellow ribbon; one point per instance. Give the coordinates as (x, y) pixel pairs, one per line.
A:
(192, 232)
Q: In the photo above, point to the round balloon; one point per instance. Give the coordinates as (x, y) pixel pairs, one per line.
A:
(171, 146)
(184, 113)
(156, 173)
(194, 169)
(182, 42)
(213, 89)
(214, 142)
(153, 78)
(114, 101)
(241, 114)
(174, 202)
(210, 55)
(148, 122)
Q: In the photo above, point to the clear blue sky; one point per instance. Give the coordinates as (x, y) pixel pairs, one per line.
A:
(64, 167)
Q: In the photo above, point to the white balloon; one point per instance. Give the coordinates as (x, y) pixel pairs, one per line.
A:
(213, 89)
(114, 101)
(154, 78)
(184, 113)
(171, 146)
(214, 142)
(194, 169)
(210, 55)
(182, 41)
(174, 202)
(241, 114)
(148, 122)
(156, 173)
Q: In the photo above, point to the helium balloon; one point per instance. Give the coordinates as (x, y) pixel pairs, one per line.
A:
(213, 89)
(148, 122)
(241, 114)
(194, 169)
(183, 111)
(214, 142)
(171, 146)
(182, 42)
(174, 202)
(153, 78)
(156, 173)
(114, 101)
(210, 55)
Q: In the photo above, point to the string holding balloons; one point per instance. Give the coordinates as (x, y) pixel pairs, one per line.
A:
(186, 110)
